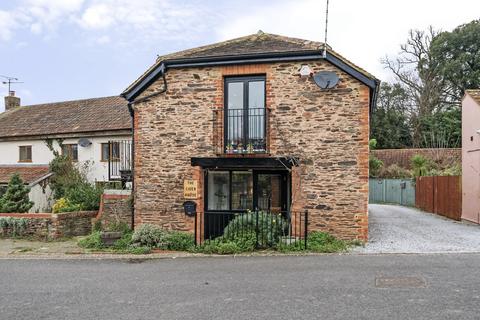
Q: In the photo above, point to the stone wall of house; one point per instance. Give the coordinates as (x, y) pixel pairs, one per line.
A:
(327, 130)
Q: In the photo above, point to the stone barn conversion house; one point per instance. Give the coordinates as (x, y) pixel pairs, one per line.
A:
(242, 125)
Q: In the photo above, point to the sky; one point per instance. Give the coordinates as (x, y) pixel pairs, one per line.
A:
(74, 49)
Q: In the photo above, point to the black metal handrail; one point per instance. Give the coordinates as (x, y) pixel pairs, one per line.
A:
(120, 160)
(245, 131)
(269, 229)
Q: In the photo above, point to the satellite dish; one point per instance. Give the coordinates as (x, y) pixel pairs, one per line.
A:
(326, 79)
(84, 142)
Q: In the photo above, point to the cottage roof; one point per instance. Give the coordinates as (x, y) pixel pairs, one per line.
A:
(67, 117)
(29, 174)
(475, 94)
(259, 45)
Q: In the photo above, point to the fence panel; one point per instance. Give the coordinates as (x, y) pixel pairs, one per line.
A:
(441, 195)
(397, 191)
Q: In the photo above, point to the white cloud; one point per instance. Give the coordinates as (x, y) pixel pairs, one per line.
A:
(145, 20)
(6, 25)
(9, 22)
(363, 31)
(38, 16)
(97, 17)
(36, 28)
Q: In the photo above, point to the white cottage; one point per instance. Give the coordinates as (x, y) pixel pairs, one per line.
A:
(84, 127)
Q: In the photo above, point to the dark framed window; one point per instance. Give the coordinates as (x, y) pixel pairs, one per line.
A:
(245, 115)
(230, 190)
(110, 151)
(25, 154)
(71, 151)
(242, 190)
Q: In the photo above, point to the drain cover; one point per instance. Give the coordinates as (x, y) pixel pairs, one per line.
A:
(400, 282)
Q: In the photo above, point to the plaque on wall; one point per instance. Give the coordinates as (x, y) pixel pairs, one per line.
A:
(190, 189)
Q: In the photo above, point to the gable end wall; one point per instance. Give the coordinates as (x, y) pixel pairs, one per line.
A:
(326, 129)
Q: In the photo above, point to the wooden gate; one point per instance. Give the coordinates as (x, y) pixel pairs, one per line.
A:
(440, 194)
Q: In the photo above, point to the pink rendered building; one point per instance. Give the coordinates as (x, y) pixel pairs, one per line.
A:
(471, 156)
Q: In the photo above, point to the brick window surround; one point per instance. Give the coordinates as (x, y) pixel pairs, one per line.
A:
(219, 105)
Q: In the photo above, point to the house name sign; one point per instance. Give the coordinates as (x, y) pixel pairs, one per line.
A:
(190, 189)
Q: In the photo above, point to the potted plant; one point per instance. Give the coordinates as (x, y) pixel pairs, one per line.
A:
(110, 237)
(250, 148)
(229, 148)
(239, 147)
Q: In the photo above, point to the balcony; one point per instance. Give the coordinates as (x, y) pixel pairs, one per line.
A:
(120, 158)
(241, 131)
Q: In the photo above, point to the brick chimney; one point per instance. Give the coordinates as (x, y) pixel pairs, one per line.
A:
(11, 101)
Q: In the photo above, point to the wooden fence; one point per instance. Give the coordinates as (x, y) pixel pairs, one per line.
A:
(440, 195)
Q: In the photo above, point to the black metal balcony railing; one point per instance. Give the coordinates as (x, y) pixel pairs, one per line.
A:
(245, 131)
(120, 160)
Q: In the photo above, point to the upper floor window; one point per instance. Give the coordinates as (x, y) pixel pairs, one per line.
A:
(25, 154)
(245, 119)
(71, 151)
(110, 151)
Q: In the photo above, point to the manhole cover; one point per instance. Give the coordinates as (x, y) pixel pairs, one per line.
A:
(400, 282)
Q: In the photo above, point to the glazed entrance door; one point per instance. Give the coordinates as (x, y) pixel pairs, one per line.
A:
(270, 193)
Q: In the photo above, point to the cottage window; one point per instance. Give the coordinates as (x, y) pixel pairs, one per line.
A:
(25, 153)
(110, 151)
(245, 115)
(71, 151)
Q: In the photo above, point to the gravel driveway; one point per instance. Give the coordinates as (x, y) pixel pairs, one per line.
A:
(396, 229)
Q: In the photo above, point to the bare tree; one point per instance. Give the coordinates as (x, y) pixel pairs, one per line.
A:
(417, 72)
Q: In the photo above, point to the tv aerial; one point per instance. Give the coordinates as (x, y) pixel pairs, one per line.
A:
(9, 81)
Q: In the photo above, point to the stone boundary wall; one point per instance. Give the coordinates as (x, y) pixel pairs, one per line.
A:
(71, 224)
(115, 207)
(53, 226)
(402, 157)
(39, 225)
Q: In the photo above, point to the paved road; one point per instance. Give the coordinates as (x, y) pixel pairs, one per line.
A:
(396, 229)
(308, 287)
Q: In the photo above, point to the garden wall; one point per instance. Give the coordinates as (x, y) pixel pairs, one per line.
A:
(39, 225)
(115, 207)
(402, 157)
(70, 224)
(49, 225)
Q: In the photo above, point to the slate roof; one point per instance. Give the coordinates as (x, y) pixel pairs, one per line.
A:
(258, 43)
(475, 94)
(28, 174)
(77, 116)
